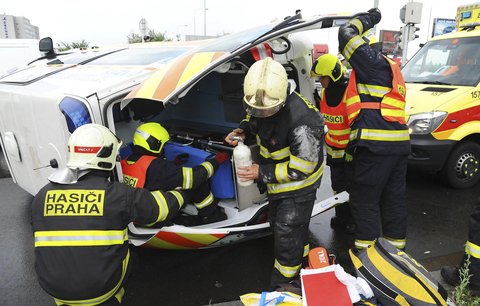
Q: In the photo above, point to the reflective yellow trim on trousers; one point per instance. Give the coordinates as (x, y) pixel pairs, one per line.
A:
(381, 135)
(205, 202)
(162, 206)
(302, 165)
(103, 298)
(373, 90)
(363, 244)
(187, 178)
(179, 197)
(295, 185)
(472, 249)
(277, 155)
(80, 238)
(287, 271)
(306, 249)
(352, 46)
(281, 172)
(398, 243)
(208, 166)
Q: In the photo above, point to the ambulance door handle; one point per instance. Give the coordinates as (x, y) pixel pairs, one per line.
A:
(11, 146)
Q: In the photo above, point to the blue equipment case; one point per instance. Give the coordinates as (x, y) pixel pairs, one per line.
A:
(221, 183)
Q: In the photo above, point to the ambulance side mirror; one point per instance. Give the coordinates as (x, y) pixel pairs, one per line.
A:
(46, 46)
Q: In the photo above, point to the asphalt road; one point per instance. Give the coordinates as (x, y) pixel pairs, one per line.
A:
(438, 224)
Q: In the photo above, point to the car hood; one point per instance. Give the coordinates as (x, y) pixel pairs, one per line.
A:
(427, 98)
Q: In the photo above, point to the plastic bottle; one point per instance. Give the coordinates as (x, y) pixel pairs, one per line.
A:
(242, 157)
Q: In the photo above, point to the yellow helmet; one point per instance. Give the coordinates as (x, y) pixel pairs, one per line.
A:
(328, 65)
(92, 146)
(265, 88)
(151, 136)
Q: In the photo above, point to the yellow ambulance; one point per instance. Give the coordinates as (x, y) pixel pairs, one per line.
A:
(443, 102)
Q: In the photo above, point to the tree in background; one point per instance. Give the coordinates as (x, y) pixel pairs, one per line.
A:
(151, 34)
(63, 46)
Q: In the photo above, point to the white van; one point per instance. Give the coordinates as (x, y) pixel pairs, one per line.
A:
(197, 95)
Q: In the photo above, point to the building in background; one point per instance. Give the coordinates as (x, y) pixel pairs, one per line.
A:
(13, 27)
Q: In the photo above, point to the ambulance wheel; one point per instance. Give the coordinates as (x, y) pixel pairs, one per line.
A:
(462, 169)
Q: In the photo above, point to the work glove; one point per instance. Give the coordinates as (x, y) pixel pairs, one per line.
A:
(221, 157)
(348, 157)
(375, 15)
(181, 159)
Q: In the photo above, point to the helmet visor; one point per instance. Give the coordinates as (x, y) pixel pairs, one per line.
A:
(261, 112)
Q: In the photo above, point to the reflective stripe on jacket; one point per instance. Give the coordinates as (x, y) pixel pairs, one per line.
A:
(80, 230)
(290, 145)
(392, 105)
(135, 173)
(338, 133)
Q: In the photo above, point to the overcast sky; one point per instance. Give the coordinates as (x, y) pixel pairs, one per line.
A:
(103, 22)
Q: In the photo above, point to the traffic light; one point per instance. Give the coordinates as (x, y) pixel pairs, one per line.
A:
(399, 37)
(411, 32)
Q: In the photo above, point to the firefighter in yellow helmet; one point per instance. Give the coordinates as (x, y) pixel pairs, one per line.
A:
(379, 137)
(146, 167)
(289, 131)
(80, 221)
(331, 73)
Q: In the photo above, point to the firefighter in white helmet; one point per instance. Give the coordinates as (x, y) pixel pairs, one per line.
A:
(289, 131)
(80, 222)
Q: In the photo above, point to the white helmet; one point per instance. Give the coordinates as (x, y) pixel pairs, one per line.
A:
(93, 146)
(265, 88)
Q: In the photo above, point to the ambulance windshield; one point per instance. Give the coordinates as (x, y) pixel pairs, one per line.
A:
(454, 61)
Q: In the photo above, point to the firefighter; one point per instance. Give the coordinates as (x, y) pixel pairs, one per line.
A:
(451, 274)
(379, 139)
(80, 222)
(330, 71)
(289, 131)
(146, 167)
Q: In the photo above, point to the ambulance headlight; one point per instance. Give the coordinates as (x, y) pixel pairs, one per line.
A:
(425, 123)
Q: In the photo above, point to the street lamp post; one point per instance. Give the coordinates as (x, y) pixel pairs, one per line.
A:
(179, 31)
(204, 18)
(195, 21)
(204, 9)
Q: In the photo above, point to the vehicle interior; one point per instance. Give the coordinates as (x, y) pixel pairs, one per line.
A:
(207, 111)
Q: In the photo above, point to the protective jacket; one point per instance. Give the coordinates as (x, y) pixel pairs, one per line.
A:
(290, 147)
(159, 173)
(375, 96)
(135, 173)
(334, 111)
(81, 242)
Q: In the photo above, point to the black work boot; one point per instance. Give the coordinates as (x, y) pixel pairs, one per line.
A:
(212, 215)
(451, 275)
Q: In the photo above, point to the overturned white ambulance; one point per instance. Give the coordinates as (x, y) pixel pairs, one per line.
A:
(195, 92)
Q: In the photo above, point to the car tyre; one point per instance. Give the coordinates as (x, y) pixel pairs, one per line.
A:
(462, 168)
